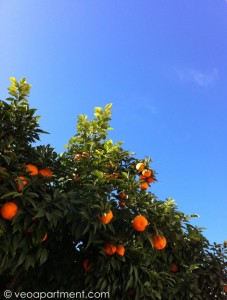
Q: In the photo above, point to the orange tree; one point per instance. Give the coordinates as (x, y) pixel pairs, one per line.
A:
(86, 220)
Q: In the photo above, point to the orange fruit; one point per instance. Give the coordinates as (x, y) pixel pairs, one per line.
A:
(120, 250)
(9, 210)
(87, 265)
(33, 170)
(159, 242)
(45, 237)
(115, 175)
(122, 195)
(144, 186)
(76, 178)
(78, 156)
(150, 180)
(107, 217)
(21, 184)
(174, 267)
(146, 173)
(225, 288)
(110, 248)
(139, 223)
(142, 177)
(107, 176)
(140, 167)
(46, 172)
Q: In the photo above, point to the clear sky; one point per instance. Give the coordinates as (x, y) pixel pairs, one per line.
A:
(163, 65)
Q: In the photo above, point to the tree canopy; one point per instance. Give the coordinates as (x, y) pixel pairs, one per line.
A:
(86, 219)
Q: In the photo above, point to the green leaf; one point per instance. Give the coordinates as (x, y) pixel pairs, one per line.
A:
(43, 256)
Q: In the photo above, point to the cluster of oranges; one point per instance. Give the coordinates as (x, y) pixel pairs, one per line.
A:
(111, 249)
(122, 196)
(10, 209)
(140, 223)
(82, 155)
(145, 175)
(33, 171)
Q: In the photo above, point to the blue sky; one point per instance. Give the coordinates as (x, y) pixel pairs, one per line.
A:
(163, 65)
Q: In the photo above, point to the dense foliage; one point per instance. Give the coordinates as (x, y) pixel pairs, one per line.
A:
(87, 219)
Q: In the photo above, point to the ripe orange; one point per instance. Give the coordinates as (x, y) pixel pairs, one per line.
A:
(140, 167)
(122, 195)
(150, 180)
(174, 267)
(33, 170)
(159, 242)
(46, 172)
(225, 288)
(146, 173)
(87, 265)
(144, 186)
(107, 217)
(9, 210)
(110, 248)
(120, 250)
(139, 223)
(78, 156)
(45, 237)
(142, 177)
(21, 184)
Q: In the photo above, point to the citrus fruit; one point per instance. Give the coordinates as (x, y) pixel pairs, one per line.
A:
(33, 170)
(120, 250)
(9, 210)
(159, 242)
(46, 172)
(106, 218)
(45, 237)
(20, 184)
(87, 265)
(110, 248)
(144, 186)
(139, 223)
(140, 167)
(174, 267)
(146, 173)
